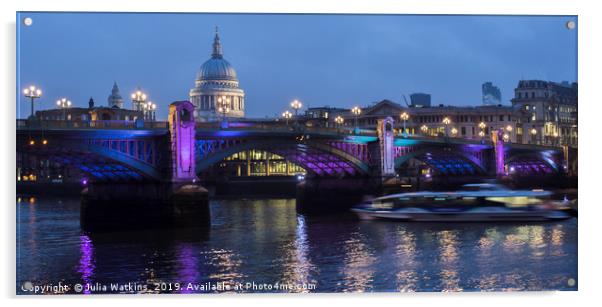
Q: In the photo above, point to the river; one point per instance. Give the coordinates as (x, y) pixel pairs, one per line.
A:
(264, 245)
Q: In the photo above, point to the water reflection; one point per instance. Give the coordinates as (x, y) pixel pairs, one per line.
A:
(448, 257)
(358, 267)
(86, 262)
(266, 241)
(297, 266)
(405, 252)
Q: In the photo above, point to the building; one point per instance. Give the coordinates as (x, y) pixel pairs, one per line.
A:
(420, 100)
(217, 88)
(551, 110)
(491, 94)
(112, 112)
(115, 99)
(464, 122)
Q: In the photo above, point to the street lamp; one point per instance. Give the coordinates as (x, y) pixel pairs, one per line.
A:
(454, 131)
(356, 112)
(404, 116)
(296, 105)
(339, 120)
(509, 128)
(506, 137)
(138, 100)
(223, 104)
(533, 135)
(32, 93)
(149, 110)
(446, 122)
(64, 104)
(482, 125)
(287, 115)
(424, 129)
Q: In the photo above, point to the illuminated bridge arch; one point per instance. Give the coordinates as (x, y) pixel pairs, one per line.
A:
(532, 163)
(446, 162)
(103, 159)
(316, 158)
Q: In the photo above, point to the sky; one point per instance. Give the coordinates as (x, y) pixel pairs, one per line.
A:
(322, 60)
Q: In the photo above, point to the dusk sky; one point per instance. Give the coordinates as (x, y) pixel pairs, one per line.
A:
(336, 60)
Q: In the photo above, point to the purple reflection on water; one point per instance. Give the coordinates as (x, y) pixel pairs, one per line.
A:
(188, 270)
(86, 261)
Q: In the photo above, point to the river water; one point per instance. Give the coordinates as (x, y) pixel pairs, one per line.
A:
(265, 246)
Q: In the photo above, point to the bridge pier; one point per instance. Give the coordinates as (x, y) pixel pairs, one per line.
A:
(329, 195)
(178, 201)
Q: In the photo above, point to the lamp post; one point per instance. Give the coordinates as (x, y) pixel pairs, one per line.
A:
(138, 100)
(446, 122)
(356, 112)
(533, 135)
(296, 105)
(287, 115)
(404, 117)
(149, 110)
(509, 132)
(482, 125)
(454, 131)
(339, 120)
(223, 107)
(64, 104)
(32, 93)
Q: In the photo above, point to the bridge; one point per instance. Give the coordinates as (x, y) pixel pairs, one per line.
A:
(180, 149)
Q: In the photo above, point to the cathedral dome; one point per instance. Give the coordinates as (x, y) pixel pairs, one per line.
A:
(216, 85)
(216, 68)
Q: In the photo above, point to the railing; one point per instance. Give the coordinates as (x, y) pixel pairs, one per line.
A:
(281, 127)
(82, 124)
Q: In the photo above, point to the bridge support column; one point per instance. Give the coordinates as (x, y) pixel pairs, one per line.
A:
(498, 143)
(382, 151)
(178, 201)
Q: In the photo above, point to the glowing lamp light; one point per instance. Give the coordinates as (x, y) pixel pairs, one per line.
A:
(84, 181)
(32, 142)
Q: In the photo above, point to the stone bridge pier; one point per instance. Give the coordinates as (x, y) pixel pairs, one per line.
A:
(320, 195)
(175, 201)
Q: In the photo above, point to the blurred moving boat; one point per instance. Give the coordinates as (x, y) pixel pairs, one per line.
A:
(474, 203)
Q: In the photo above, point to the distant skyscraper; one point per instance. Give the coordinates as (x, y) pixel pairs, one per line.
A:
(491, 94)
(115, 100)
(420, 100)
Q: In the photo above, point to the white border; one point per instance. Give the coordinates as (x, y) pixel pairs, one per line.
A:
(590, 114)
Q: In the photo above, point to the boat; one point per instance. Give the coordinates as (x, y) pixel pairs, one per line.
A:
(481, 202)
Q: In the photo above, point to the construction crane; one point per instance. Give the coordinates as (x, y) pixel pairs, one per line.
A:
(404, 99)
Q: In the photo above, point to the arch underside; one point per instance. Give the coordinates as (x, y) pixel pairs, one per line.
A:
(316, 159)
(530, 164)
(98, 164)
(444, 162)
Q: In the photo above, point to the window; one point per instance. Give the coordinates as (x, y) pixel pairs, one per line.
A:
(501, 118)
